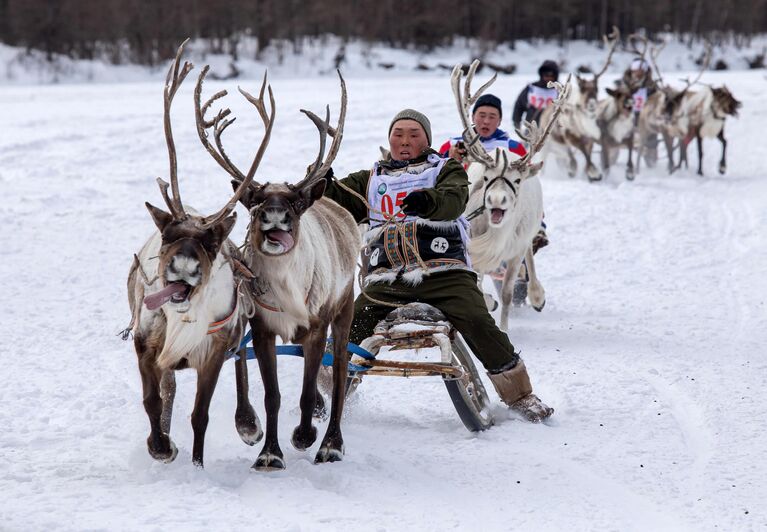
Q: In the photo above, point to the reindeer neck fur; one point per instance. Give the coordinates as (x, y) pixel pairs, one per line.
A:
(618, 127)
(489, 246)
(186, 334)
(316, 271)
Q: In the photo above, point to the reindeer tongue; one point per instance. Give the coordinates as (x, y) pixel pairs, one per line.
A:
(283, 237)
(158, 299)
(496, 215)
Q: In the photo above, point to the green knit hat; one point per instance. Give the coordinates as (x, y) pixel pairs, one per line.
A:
(412, 114)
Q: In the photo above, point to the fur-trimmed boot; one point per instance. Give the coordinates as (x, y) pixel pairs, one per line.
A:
(514, 388)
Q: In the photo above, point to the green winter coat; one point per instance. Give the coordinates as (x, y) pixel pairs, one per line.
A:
(448, 197)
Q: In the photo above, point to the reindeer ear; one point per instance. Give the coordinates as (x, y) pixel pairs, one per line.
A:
(313, 193)
(251, 196)
(224, 227)
(533, 169)
(247, 196)
(160, 217)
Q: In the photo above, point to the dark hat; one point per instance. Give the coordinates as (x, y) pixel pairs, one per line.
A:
(549, 66)
(412, 114)
(490, 100)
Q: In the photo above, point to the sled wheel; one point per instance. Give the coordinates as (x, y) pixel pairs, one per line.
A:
(468, 393)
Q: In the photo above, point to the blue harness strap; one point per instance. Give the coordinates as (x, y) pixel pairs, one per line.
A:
(298, 351)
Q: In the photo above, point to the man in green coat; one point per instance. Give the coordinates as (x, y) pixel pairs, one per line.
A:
(429, 194)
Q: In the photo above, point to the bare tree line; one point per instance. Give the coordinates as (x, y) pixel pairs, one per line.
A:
(148, 31)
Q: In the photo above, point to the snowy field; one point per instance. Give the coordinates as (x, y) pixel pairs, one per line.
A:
(650, 348)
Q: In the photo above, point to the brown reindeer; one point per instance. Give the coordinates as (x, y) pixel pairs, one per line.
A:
(707, 110)
(616, 126)
(578, 126)
(302, 248)
(668, 111)
(183, 290)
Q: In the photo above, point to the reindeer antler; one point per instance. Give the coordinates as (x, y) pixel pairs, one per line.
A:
(611, 41)
(654, 53)
(704, 66)
(321, 165)
(465, 100)
(219, 125)
(536, 136)
(173, 81)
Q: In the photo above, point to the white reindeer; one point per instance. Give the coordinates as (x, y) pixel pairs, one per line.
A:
(506, 201)
(578, 126)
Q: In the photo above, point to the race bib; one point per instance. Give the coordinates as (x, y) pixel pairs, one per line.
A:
(640, 97)
(539, 97)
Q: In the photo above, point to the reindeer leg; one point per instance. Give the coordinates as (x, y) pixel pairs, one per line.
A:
(669, 142)
(207, 378)
(332, 447)
(723, 161)
(572, 165)
(305, 434)
(507, 292)
(271, 457)
(591, 170)
(158, 443)
(605, 155)
(245, 418)
(168, 394)
(585, 148)
(535, 291)
(700, 151)
(630, 165)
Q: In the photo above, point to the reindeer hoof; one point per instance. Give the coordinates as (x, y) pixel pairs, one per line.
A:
(302, 442)
(630, 175)
(722, 168)
(329, 453)
(168, 451)
(249, 429)
(269, 462)
(540, 308)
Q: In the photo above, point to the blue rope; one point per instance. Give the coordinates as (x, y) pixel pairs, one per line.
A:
(298, 351)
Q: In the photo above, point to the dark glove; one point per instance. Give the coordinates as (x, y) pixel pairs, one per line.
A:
(328, 177)
(416, 203)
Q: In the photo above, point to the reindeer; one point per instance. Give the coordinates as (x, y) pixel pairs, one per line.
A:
(707, 111)
(668, 111)
(506, 201)
(578, 127)
(183, 291)
(616, 125)
(302, 249)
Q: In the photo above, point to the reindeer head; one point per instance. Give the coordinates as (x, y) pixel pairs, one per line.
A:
(588, 82)
(501, 183)
(276, 209)
(725, 102)
(189, 248)
(624, 101)
(501, 177)
(190, 242)
(588, 90)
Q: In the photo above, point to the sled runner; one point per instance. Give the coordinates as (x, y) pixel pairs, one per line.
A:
(413, 326)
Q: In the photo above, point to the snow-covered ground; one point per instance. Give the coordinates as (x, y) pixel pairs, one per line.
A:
(650, 348)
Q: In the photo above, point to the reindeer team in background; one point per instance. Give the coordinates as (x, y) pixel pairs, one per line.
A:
(579, 127)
